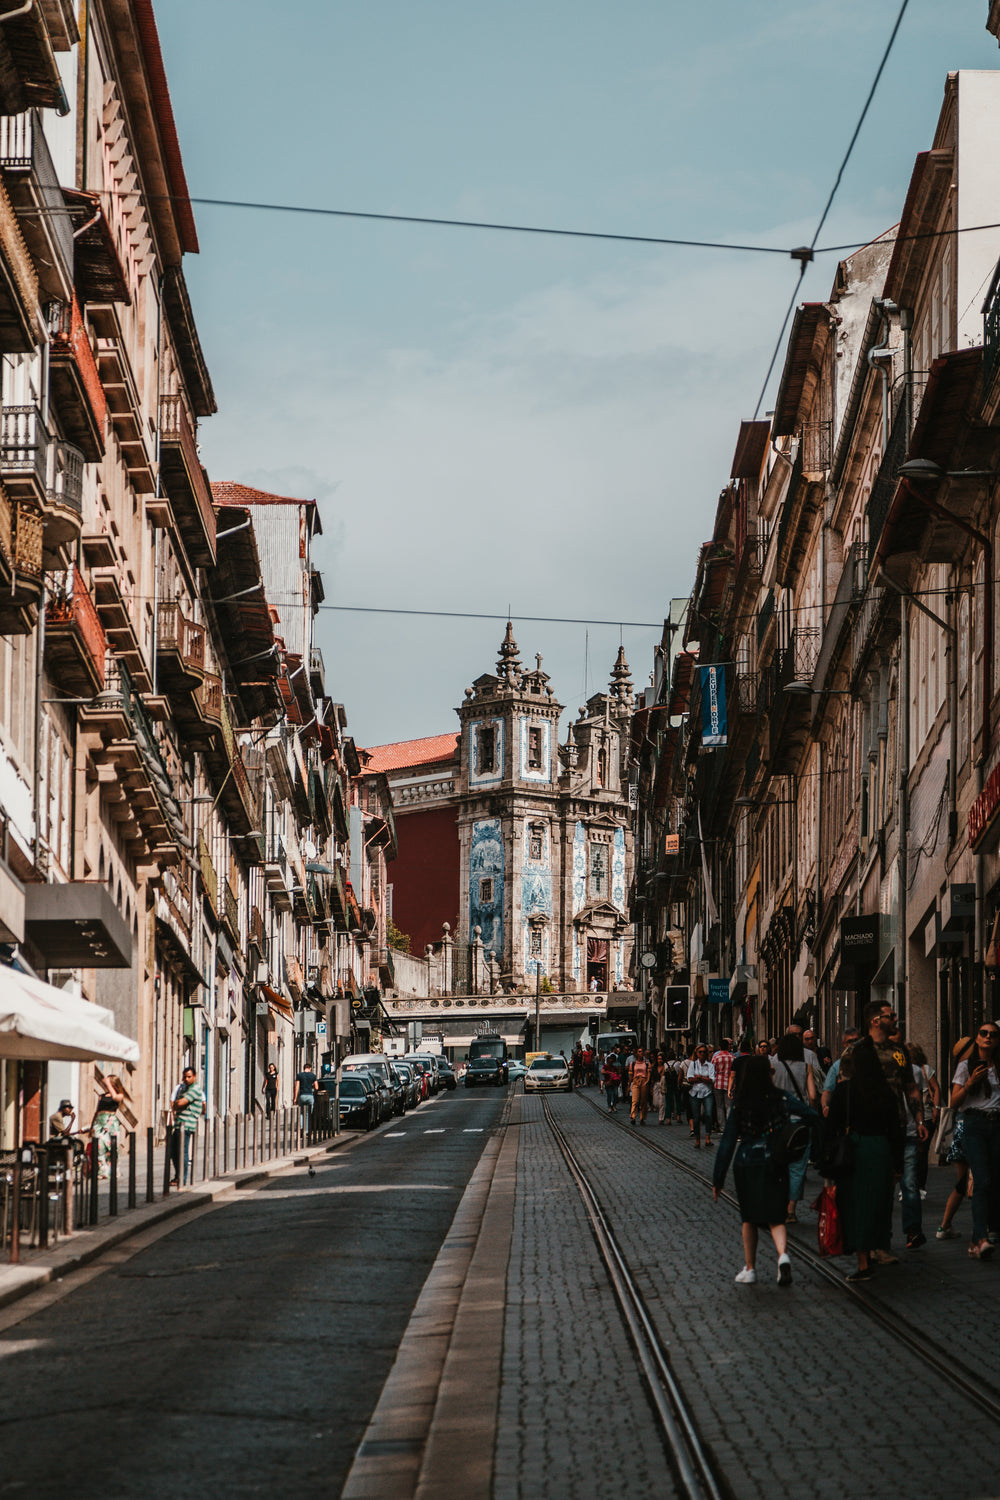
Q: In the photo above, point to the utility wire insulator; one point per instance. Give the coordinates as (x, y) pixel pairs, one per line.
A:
(803, 255)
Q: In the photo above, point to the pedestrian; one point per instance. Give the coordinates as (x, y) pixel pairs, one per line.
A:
(270, 1089)
(61, 1121)
(639, 1077)
(930, 1094)
(722, 1062)
(975, 1094)
(305, 1096)
(611, 1077)
(701, 1081)
(955, 1157)
(671, 1093)
(794, 1075)
(883, 1036)
(851, 1035)
(864, 1107)
(759, 1111)
(763, 1048)
(104, 1127)
(188, 1107)
(811, 1056)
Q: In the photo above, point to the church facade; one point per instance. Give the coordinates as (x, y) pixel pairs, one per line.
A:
(544, 855)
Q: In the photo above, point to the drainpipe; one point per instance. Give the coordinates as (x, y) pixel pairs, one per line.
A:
(906, 328)
(952, 721)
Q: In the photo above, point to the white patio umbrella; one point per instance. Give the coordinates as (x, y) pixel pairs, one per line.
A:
(39, 1021)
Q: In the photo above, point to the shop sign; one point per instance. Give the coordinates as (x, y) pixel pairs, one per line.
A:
(984, 809)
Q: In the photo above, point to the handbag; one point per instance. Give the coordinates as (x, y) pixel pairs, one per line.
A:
(944, 1132)
(837, 1160)
(789, 1142)
(829, 1229)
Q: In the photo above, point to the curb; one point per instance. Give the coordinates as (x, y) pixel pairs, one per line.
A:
(70, 1255)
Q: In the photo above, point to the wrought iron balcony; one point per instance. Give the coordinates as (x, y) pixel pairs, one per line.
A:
(991, 332)
(231, 911)
(181, 648)
(64, 509)
(209, 878)
(185, 482)
(75, 643)
(33, 184)
(21, 564)
(77, 393)
(31, 78)
(887, 478)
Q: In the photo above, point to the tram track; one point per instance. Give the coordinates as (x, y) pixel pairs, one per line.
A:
(694, 1467)
(917, 1341)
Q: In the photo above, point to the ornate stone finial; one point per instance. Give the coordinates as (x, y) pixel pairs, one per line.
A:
(510, 657)
(621, 677)
(538, 661)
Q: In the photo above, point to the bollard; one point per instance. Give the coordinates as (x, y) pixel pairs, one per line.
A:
(215, 1146)
(204, 1154)
(43, 1200)
(150, 1166)
(14, 1255)
(168, 1145)
(95, 1152)
(245, 1128)
(131, 1169)
(225, 1147)
(254, 1138)
(113, 1185)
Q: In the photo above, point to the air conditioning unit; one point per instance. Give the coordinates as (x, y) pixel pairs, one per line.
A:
(262, 973)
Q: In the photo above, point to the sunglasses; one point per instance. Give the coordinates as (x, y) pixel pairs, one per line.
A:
(993, 1035)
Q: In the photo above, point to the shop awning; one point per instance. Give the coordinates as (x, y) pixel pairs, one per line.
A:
(44, 1023)
(277, 1001)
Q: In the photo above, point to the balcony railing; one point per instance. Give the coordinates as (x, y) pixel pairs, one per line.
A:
(181, 638)
(231, 911)
(209, 879)
(185, 481)
(209, 697)
(24, 451)
(75, 643)
(76, 382)
(66, 487)
(765, 615)
(887, 478)
(39, 198)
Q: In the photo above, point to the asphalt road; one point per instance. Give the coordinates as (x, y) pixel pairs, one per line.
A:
(242, 1353)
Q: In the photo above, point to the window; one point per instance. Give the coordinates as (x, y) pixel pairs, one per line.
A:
(534, 749)
(536, 843)
(486, 748)
(602, 767)
(486, 891)
(536, 940)
(598, 870)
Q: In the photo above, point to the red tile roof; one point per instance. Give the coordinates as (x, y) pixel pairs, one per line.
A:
(427, 752)
(228, 492)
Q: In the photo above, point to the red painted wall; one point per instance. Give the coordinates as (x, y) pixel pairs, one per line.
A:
(424, 875)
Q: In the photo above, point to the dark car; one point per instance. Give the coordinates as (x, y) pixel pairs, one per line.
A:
(398, 1090)
(358, 1104)
(485, 1070)
(447, 1073)
(411, 1082)
(376, 1086)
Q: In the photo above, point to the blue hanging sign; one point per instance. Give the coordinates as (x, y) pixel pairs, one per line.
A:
(718, 992)
(713, 707)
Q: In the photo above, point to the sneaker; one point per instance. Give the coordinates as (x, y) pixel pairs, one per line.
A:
(784, 1271)
(865, 1275)
(746, 1277)
(944, 1233)
(916, 1240)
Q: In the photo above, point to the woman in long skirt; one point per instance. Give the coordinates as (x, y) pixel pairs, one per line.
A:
(864, 1107)
(759, 1112)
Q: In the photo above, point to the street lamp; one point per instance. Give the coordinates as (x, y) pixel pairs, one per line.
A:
(802, 689)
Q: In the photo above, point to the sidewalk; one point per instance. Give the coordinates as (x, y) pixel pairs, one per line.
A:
(87, 1244)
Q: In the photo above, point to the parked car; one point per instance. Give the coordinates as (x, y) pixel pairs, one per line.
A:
(430, 1069)
(358, 1104)
(377, 1083)
(546, 1074)
(398, 1090)
(515, 1070)
(447, 1073)
(411, 1082)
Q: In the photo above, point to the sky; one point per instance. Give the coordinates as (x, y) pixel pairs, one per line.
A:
(494, 421)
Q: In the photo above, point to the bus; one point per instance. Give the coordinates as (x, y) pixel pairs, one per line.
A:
(608, 1039)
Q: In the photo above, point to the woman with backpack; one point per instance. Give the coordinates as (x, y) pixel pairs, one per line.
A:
(756, 1141)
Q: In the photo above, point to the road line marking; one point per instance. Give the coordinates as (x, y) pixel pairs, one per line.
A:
(394, 1135)
(434, 1132)
(473, 1130)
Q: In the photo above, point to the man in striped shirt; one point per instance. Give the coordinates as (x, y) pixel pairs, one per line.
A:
(188, 1107)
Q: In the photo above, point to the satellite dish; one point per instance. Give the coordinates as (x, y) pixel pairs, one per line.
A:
(309, 849)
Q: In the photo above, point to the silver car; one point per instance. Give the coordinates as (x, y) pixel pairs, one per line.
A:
(546, 1074)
